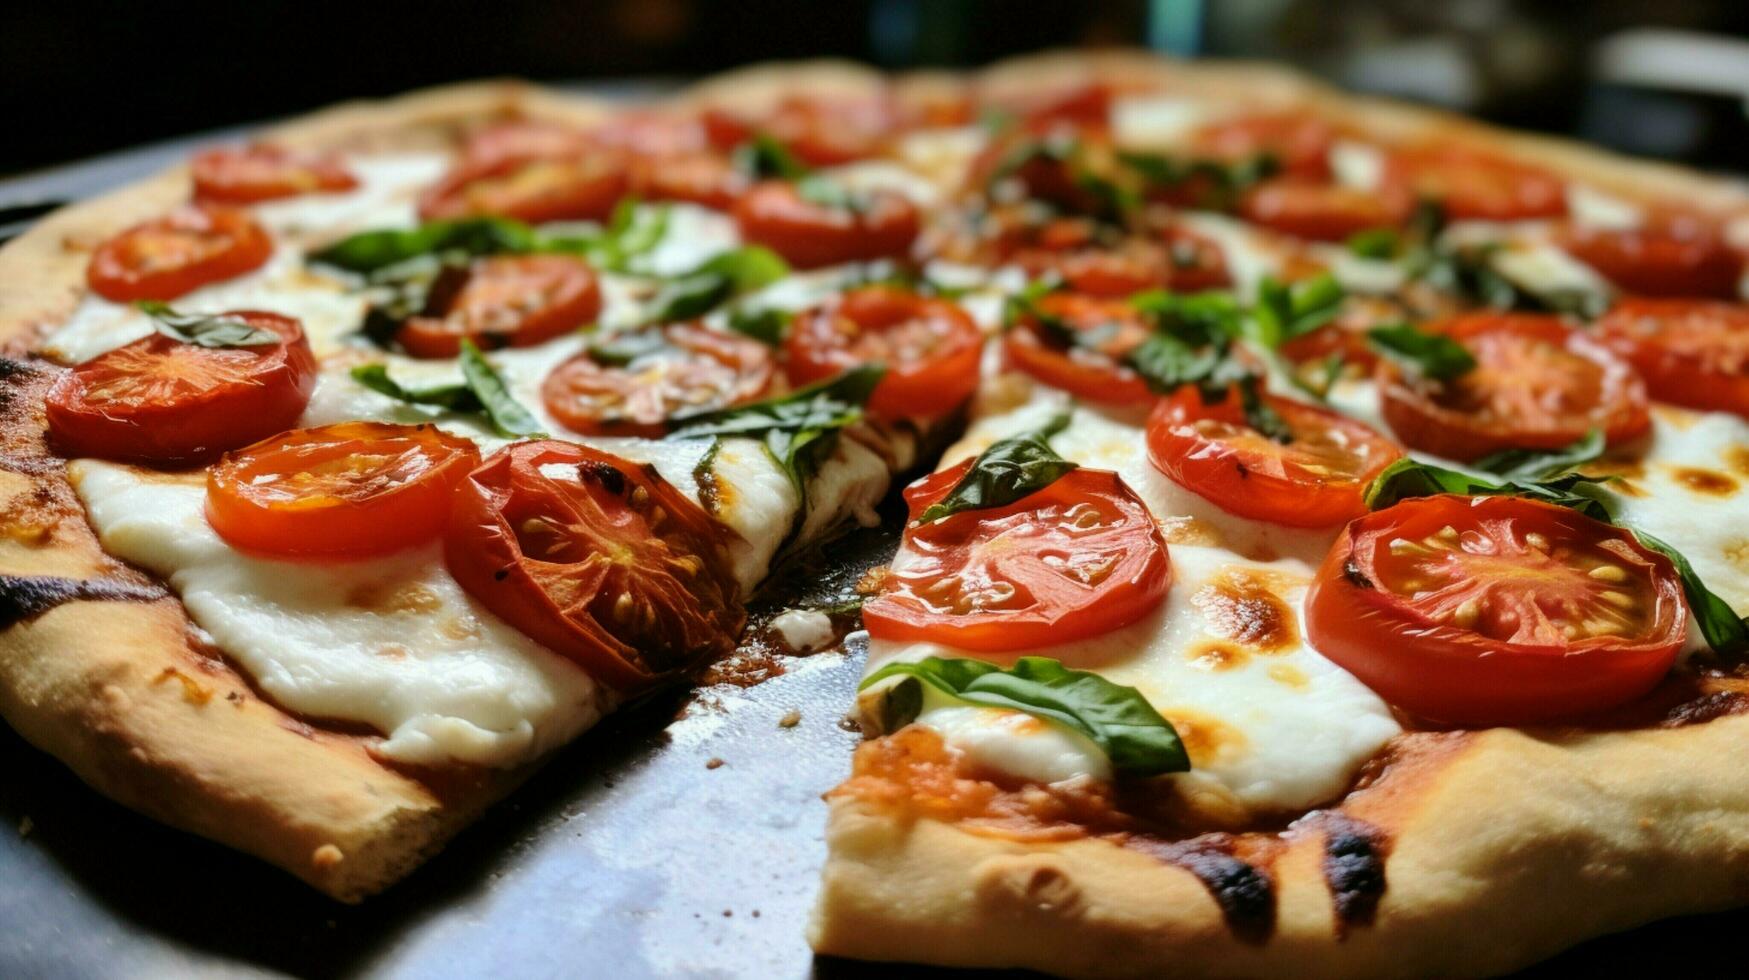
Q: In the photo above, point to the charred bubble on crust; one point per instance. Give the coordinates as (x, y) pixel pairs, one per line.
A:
(1354, 868)
(1244, 891)
(25, 597)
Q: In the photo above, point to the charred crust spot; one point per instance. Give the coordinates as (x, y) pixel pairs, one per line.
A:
(11, 368)
(25, 597)
(1718, 704)
(1244, 891)
(1354, 869)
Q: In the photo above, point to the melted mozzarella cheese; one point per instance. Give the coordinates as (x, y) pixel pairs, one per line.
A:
(1265, 718)
(1590, 206)
(1156, 120)
(1358, 165)
(392, 642)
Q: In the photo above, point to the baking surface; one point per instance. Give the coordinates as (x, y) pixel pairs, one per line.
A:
(680, 838)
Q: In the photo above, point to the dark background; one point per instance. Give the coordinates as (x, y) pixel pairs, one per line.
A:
(79, 77)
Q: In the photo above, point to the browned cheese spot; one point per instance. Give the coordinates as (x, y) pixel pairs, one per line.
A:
(1711, 483)
(1242, 605)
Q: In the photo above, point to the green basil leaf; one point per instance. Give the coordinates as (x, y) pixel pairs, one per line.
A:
(1010, 469)
(764, 158)
(1539, 464)
(505, 412)
(631, 233)
(204, 329)
(1725, 631)
(1137, 740)
(1375, 243)
(1283, 313)
(453, 397)
(768, 326)
(1408, 478)
(626, 346)
(1166, 363)
(1218, 183)
(799, 429)
(1258, 414)
(370, 251)
(830, 194)
(1430, 355)
(714, 282)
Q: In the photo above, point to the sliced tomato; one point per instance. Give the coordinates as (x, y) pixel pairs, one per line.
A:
(1675, 257)
(706, 179)
(1690, 352)
(188, 248)
(508, 301)
(1537, 384)
(1476, 184)
(1299, 142)
(596, 558)
(930, 348)
(1316, 479)
(809, 235)
(1091, 370)
(520, 141)
(694, 369)
(1079, 558)
(345, 490)
(652, 133)
(1181, 260)
(1086, 105)
(824, 131)
(159, 400)
(263, 172)
(1322, 212)
(1496, 610)
(580, 187)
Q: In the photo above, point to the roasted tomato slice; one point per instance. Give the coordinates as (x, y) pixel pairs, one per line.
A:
(186, 249)
(652, 133)
(1690, 352)
(1081, 557)
(1322, 212)
(1180, 259)
(1496, 610)
(1299, 142)
(1085, 105)
(822, 131)
(263, 172)
(508, 301)
(810, 234)
(691, 369)
(1316, 479)
(347, 490)
(582, 186)
(599, 559)
(520, 141)
(1093, 368)
(1670, 257)
(930, 348)
(1475, 184)
(705, 179)
(160, 400)
(1537, 384)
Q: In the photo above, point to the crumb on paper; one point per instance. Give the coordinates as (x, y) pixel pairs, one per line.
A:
(713, 763)
(790, 719)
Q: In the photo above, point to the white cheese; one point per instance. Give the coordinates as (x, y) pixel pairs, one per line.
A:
(1592, 207)
(1153, 121)
(804, 630)
(1358, 165)
(392, 642)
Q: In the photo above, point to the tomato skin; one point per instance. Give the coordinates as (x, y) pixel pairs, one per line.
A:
(1669, 258)
(188, 248)
(1322, 212)
(1210, 450)
(1690, 352)
(705, 179)
(263, 172)
(1476, 185)
(823, 131)
(930, 348)
(1299, 142)
(1093, 375)
(583, 187)
(308, 492)
(97, 409)
(492, 306)
(519, 141)
(626, 576)
(1090, 513)
(1539, 384)
(810, 235)
(639, 399)
(1181, 260)
(1422, 659)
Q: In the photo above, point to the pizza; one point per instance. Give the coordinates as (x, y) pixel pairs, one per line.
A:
(1321, 529)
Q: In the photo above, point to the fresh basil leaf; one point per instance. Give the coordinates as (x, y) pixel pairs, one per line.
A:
(1166, 363)
(453, 397)
(1375, 243)
(482, 390)
(631, 233)
(1468, 272)
(1539, 464)
(1025, 303)
(505, 412)
(204, 329)
(1407, 478)
(1218, 184)
(764, 158)
(799, 429)
(1430, 355)
(768, 326)
(1259, 415)
(1283, 313)
(715, 281)
(1137, 740)
(1112, 198)
(1010, 469)
(370, 251)
(1725, 631)
(422, 285)
(830, 194)
(626, 346)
